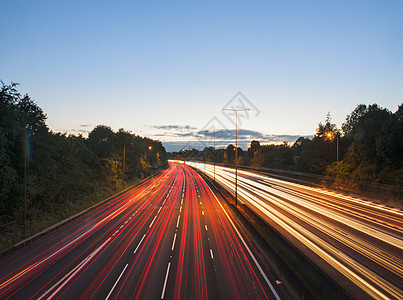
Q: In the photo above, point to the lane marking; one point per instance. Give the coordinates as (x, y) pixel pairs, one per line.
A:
(173, 243)
(180, 209)
(205, 226)
(166, 280)
(153, 221)
(110, 293)
(249, 251)
(72, 273)
(177, 223)
(203, 213)
(139, 244)
(211, 254)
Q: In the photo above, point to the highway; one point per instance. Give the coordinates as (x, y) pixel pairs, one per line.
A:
(167, 238)
(357, 242)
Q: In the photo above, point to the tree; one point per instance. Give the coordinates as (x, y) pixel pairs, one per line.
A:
(321, 151)
(101, 140)
(375, 150)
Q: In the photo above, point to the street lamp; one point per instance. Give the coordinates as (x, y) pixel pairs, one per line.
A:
(124, 164)
(330, 135)
(25, 182)
(214, 158)
(214, 155)
(236, 148)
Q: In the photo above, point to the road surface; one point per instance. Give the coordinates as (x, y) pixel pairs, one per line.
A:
(359, 243)
(167, 238)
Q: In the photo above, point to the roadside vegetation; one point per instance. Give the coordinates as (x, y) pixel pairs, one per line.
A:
(370, 149)
(63, 174)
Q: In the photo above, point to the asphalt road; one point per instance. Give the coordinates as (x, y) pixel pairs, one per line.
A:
(168, 238)
(357, 242)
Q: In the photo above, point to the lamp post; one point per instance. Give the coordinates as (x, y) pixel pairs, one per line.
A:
(236, 148)
(214, 156)
(25, 183)
(149, 148)
(330, 135)
(124, 164)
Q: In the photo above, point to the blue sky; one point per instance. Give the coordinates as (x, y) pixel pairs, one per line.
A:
(162, 68)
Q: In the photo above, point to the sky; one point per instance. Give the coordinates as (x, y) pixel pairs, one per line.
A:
(165, 69)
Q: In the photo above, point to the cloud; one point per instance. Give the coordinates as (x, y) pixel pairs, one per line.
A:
(79, 130)
(178, 137)
(173, 127)
(228, 134)
(244, 140)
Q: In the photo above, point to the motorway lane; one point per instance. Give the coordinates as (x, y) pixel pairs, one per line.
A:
(360, 240)
(167, 238)
(32, 269)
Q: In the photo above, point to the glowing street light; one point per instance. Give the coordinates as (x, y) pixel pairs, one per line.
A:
(236, 147)
(329, 136)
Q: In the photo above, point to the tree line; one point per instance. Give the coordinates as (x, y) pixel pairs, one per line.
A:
(59, 169)
(368, 147)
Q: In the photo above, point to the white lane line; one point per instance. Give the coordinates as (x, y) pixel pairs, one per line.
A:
(159, 210)
(205, 226)
(180, 209)
(211, 254)
(72, 273)
(110, 293)
(153, 220)
(203, 213)
(64, 277)
(250, 252)
(165, 282)
(182, 201)
(200, 203)
(173, 243)
(139, 244)
(177, 223)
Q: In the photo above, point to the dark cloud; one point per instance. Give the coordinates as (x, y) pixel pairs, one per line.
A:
(189, 137)
(174, 127)
(227, 134)
(79, 130)
(222, 142)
